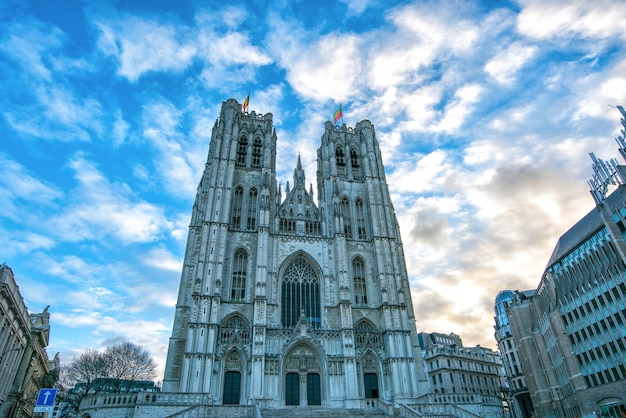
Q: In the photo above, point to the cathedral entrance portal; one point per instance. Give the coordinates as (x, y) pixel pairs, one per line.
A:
(303, 385)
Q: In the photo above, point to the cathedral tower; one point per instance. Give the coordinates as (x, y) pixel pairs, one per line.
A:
(283, 301)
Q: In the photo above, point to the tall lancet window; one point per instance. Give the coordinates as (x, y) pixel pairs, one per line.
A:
(354, 162)
(300, 294)
(360, 288)
(242, 151)
(257, 153)
(235, 218)
(252, 207)
(354, 159)
(347, 217)
(240, 268)
(340, 155)
(361, 225)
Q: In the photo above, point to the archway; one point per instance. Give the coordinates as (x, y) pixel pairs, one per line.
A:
(303, 371)
(231, 394)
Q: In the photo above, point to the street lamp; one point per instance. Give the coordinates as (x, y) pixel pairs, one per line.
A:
(8, 351)
(558, 394)
(5, 353)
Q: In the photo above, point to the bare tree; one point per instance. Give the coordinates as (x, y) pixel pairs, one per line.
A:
(80, 378)
(112, 371)
(128, 362)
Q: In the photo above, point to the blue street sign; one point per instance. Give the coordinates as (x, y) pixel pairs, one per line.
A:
(45, 400)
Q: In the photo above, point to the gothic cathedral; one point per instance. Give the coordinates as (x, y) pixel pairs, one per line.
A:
(285, 301)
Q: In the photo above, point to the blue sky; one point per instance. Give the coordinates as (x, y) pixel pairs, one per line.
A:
(485, 113)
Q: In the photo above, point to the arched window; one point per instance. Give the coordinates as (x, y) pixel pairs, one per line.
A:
(252, 206)
(361, 226)
(354, 163)
(235, 219)
(354, 159)
(300, 294)
(366, 336)
(234, 329)
(358, 275)
(240, 268)
(242, 151)
(347, 218)
(257, 153)
(340, 155)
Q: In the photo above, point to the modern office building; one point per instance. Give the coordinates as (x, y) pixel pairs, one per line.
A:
(516, 388)
(23, 358)
(464, 381)
(571, 331)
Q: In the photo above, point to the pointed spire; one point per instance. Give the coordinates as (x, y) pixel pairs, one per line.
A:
(298, 175)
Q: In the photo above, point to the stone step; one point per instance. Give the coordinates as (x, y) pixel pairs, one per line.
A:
(321, 412)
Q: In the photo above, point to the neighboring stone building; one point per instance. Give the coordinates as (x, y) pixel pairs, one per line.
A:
(516, 387)
(571, 332)
(466, 379)
(285, 302)
(23, 358)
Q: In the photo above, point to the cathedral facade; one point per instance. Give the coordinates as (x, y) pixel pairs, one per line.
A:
(287, 301)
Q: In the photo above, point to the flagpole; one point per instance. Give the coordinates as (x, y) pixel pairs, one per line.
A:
(341, 113)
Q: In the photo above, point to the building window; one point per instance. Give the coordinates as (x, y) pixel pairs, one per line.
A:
(300, 294)
(240, 268)
(340, 156)
(361, 227)
(257, 153)
(360, 289)
(242, 151)
(287, 225)
(252, 209)
(234, 330)
(232, 388)
(313, 228)
(235, 219)
(354, 160)
(347, 218)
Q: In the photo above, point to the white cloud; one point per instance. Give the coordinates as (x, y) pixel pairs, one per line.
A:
(357, 7)
(319, 68)
(459, 109)
(422, 176)
(29, 42)
(162, 127)
(557, 19)
(41, 102)
(100, 208)
(162, 259)
(504, 66)
(16, 182)
(120, 129)
(142, 45)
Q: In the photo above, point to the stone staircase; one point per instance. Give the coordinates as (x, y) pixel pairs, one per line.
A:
(322, 412)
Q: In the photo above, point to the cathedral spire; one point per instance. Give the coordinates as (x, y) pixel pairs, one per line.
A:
(298, 175)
